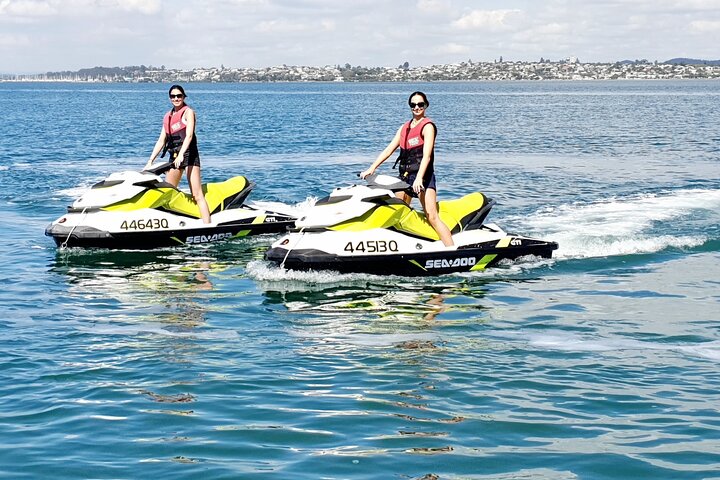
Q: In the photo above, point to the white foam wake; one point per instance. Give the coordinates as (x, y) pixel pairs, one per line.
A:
(622, 226)
(266, 272)
(564, 341)
(296, 210)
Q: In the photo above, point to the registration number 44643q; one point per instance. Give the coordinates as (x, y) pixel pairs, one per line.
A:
(371, 246)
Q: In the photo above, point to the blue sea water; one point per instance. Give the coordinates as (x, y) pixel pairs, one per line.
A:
(207, 362)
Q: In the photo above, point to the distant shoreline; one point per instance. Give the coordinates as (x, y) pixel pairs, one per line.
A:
(464, 71)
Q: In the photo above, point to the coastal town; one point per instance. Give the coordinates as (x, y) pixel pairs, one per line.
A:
(497, 70)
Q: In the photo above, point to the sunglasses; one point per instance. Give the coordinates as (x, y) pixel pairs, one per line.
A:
(177, 95)
(419, 104)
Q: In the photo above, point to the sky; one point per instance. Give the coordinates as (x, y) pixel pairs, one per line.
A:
(38, 36)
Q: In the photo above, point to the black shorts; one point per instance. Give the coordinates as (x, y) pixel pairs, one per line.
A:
(428, 182)
(188, 160)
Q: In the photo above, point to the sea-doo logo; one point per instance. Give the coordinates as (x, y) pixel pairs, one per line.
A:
(211, 238)
(457, 262)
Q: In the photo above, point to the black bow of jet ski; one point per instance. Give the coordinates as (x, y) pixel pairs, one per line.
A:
(367, 229)
(139, 210)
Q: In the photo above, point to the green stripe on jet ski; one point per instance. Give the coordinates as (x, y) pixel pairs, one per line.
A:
(241, 233)
(178, 240)
(484, 262)
(417, 264)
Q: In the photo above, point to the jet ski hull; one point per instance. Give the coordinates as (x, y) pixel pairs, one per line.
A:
(87, 236)
(438, 262)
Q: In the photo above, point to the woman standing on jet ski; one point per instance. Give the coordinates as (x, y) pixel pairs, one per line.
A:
(416, 139)
(178, 137)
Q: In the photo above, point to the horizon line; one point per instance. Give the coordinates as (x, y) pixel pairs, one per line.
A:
(571, 59)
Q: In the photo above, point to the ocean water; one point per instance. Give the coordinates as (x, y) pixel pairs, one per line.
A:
(207, 362)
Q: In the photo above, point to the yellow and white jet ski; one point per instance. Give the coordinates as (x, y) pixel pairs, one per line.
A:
(139, 210)
(366, 229)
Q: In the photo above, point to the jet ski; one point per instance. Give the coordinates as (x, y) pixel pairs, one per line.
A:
(367, 229)
(139, 210)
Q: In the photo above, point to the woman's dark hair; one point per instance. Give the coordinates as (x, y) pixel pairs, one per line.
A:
(177, 87)
(427, 102)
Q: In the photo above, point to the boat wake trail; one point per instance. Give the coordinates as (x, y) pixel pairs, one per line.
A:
(563, 341)
(623, 226)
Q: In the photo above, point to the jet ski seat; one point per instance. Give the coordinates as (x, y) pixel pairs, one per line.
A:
(464, 213)
(219, 196)
(460, 214)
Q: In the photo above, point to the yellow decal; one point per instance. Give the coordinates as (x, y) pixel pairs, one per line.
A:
(504, 242)
(483, 262)
(417, 264)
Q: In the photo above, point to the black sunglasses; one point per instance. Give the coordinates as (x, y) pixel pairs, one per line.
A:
(176, 95)
(419, 104)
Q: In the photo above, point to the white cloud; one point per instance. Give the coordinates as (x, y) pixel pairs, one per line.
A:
(26, 8)
(13, 41)
(65, 8)
(146, 7)
(245, 3)
(433, 6)
(451, 48)
(697, 5)
(280, 26)
(492, 20)
(705, 26)
(553, 29)
(328, 24)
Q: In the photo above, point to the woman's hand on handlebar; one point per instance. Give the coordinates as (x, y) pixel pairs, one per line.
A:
(367, 172)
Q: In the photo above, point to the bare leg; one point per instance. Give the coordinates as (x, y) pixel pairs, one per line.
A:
(404, 197)
(173, 176)
(193, 176)
(428, 198)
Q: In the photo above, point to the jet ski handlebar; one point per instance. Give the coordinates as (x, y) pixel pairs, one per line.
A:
(386, 182)
(160, 168)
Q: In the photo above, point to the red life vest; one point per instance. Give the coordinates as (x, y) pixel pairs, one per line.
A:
(174, 123)
(176, 131)
(411, 148)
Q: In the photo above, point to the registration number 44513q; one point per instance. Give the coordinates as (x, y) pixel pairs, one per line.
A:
(372, 246)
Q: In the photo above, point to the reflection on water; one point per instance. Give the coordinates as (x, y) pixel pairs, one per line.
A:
(172, 286)
(411, 317)
(392, 299)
